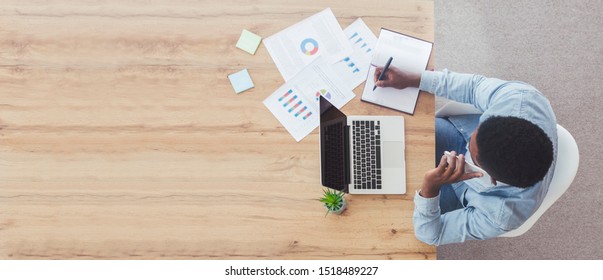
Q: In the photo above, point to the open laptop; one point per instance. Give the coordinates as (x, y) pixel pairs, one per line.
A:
(361, 154)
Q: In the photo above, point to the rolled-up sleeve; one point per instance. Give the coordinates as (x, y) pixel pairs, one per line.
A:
(472, 89)
(427, 206)
(456, 226)
(426, 217)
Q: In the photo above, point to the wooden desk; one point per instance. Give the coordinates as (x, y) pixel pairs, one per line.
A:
(121, 137)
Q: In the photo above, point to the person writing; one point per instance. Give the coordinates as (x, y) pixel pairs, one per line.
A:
(514, 141)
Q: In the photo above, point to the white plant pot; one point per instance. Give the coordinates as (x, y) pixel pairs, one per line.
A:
(338, 211)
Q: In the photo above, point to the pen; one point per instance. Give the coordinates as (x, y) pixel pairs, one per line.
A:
(389, 61)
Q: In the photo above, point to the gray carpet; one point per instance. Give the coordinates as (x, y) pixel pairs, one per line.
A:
(557, 47)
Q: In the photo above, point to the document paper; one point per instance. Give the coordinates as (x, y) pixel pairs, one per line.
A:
(409, 54)
(300, 44)
(296, 103)
(353, 68)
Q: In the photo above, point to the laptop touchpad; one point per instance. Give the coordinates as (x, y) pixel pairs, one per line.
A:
(392, 154)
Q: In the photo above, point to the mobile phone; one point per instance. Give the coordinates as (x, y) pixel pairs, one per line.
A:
(484, 182)
(469, 168)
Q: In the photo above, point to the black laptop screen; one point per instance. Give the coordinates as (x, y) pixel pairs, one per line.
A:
(333, 147)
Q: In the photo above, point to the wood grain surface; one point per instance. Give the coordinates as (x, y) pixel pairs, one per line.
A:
(122, 138)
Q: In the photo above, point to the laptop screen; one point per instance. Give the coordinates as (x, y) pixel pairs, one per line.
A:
(333, 147)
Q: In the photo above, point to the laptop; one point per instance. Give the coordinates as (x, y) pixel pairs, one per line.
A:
(361, 154)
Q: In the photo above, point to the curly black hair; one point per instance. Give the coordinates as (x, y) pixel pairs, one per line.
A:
(514, 151)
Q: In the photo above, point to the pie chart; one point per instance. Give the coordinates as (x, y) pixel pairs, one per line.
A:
(309, 46)
(324, 93)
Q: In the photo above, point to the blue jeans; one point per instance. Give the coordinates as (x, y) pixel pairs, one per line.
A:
(448, 138)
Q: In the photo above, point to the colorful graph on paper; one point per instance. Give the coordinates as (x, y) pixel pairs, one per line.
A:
(293, 105)
(309, 46)
(356, 40)
(354, 67)
(324, 93)
(351, 64)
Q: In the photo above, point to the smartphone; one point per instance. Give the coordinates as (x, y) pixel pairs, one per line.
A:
(485, 181)
(469, 168)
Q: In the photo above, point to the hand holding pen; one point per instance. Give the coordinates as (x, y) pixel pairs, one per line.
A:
(381, 76)
(396, 78)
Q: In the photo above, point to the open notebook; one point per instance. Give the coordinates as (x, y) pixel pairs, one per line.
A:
(409, 54)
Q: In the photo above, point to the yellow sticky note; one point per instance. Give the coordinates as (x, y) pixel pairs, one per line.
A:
(249, 41)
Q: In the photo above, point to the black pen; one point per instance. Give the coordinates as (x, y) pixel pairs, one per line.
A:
(389, 61)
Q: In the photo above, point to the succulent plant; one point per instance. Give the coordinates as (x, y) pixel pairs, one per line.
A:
(333, 201)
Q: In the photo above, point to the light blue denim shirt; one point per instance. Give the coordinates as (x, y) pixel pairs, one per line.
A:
(489, 211)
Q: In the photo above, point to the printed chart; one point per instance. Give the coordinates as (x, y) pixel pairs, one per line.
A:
(324, 93)
(353, 68)
(359, 41)
(295, 47)
(309, 46)
(295, 104)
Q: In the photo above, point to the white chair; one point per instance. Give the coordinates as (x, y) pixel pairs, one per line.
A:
(565, 169)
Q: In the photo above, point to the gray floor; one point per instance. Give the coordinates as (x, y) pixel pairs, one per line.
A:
(557, 47)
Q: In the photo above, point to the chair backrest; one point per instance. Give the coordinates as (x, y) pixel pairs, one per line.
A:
(568, 159)
(565, 168)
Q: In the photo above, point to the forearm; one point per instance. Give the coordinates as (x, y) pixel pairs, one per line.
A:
(415, 80)
(429, 191)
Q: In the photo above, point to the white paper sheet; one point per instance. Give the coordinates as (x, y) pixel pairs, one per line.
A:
(409, 54)
(296, 103)
(353, 68)
(298, 45)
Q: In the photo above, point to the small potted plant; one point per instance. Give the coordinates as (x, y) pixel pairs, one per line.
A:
(333, 201)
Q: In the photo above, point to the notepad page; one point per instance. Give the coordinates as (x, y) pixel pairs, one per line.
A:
(409, 54)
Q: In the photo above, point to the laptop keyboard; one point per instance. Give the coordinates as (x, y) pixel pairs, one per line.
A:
(366, 141)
